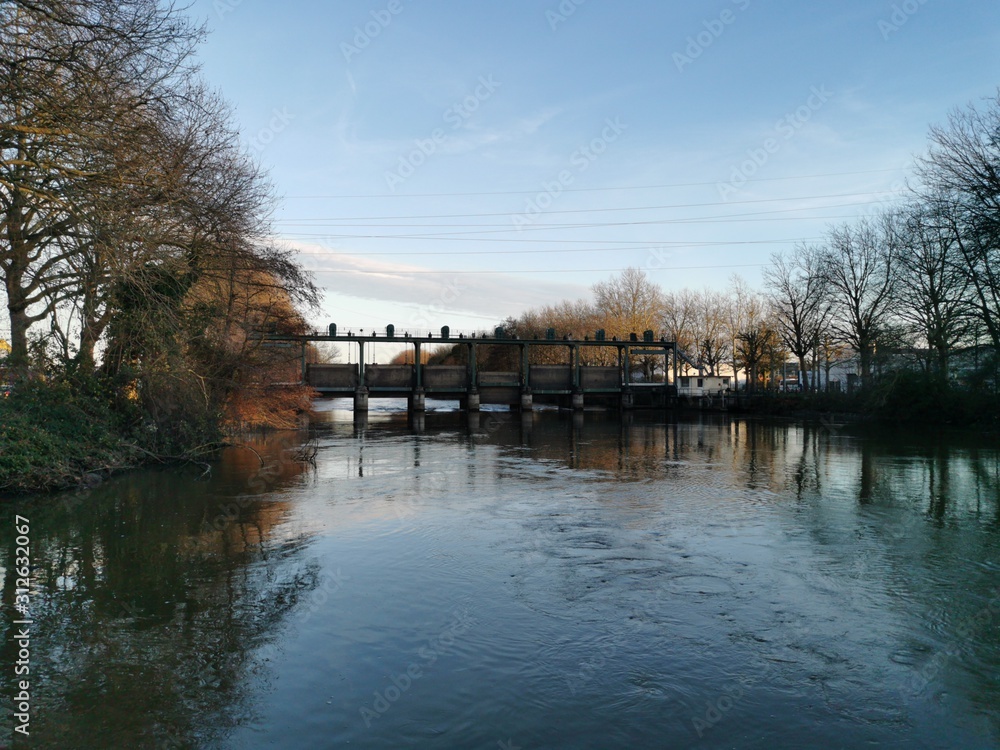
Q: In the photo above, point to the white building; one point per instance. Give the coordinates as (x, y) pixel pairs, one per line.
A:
(703, 385)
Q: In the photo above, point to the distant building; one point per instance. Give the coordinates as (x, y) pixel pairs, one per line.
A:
(703, 385)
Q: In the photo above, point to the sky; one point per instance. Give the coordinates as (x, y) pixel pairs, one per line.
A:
(446, 163)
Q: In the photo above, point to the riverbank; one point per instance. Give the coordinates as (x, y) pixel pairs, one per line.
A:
(60, 434)
(53, 436)
(904, 400)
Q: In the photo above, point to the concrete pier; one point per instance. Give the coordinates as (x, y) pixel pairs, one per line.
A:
(418, 400)
(527, 401)
(361, 399)
(628, 399)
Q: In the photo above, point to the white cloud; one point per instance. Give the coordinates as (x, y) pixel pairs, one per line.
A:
(432, 295)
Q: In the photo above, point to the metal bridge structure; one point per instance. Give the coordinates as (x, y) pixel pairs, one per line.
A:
(571, 385)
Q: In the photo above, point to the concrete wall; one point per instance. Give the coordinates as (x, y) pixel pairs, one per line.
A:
(600, 377)
(551, 377)
(455, 377)
(332, 376)
(389, 376)
(498, 378)
(495, 395)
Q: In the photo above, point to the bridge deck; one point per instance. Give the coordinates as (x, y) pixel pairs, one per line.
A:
(574, 383)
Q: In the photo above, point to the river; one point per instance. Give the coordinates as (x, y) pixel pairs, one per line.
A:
(498, 581)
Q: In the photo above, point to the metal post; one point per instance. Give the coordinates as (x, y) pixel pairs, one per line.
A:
(472, 389)
(627, 399)
(576, 399)
(417, 400)
(361, 393)
(526, 398)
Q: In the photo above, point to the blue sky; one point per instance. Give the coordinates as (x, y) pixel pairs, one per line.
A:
(455, 163)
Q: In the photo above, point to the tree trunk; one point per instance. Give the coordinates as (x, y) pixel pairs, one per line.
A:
(943, 368)
(866, 365)
(19, 324)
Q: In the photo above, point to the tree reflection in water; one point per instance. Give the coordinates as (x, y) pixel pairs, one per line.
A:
(152, 593)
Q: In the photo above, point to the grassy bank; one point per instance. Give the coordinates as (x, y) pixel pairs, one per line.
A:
(76, 431)
(52, 435)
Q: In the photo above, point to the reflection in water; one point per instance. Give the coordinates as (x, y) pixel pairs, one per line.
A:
(617, 582)
(152, 594)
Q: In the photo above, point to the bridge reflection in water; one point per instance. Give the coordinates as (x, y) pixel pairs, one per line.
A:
(575, 384)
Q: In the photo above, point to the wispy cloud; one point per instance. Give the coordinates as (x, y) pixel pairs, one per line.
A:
(492, 296)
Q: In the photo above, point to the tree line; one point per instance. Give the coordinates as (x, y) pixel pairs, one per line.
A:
(135, 235)
(914, 286)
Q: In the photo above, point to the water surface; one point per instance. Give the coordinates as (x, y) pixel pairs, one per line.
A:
(547, 581)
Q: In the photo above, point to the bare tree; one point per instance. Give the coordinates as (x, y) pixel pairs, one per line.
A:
(679, 322)
(859, 267)
(799, 298)
(934, 287)
(710, 329)
(961, 185)
(75, 79)
(754, 335)
(630, 303)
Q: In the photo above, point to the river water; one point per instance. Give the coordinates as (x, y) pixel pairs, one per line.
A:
(499, 581)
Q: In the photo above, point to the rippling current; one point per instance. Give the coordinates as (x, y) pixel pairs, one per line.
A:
(547, 581)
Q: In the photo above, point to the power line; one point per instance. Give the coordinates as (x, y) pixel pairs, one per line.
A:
(724, 218)
(663, 245)
(586, 190)
(591, 210)
(596, 225)
(555, 270)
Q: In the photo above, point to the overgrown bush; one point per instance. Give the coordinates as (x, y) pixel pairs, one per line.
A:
(53, 433)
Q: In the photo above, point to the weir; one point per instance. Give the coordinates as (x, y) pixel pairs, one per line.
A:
(575, 384)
